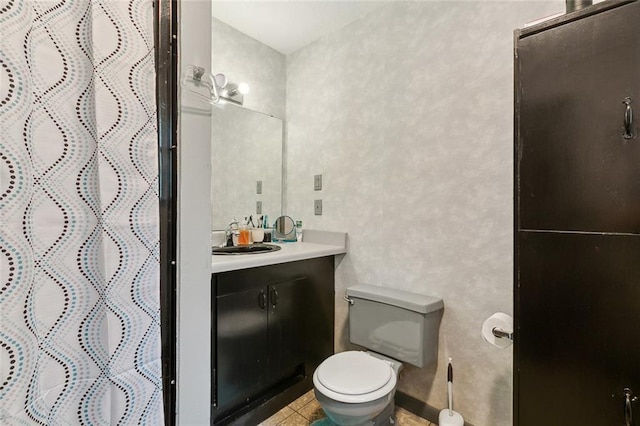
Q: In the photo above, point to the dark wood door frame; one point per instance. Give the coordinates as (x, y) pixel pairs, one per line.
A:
(166, 60)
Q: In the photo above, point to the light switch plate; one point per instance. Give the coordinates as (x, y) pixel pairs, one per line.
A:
(317, 182)
(258, 207)
(317, 207)
(259, 187)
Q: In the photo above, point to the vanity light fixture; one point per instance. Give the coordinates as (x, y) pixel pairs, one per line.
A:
(194, 78)
(230, 91)
(219, 87)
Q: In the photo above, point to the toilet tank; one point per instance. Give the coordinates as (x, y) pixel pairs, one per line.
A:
(399, 324)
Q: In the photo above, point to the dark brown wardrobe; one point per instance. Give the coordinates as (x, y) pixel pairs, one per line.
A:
(577, 219)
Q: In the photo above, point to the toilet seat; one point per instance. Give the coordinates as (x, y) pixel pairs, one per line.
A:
(354, 377)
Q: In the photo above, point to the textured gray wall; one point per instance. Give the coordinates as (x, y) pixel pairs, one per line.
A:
(247, 149)
(243, 59)
(408, 114)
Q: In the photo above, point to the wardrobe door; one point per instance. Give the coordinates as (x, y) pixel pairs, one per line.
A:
(577, 219)
(577, 171)
(579, 322)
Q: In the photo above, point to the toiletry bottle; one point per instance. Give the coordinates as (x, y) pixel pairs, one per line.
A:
(299, 231)
(244, 238)
(250, 227)
(272, 230)
(267, 230)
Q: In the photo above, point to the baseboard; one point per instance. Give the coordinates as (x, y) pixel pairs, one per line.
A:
(419, 408)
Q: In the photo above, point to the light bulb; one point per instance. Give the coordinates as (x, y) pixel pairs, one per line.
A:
(221, 80)
(243, 88)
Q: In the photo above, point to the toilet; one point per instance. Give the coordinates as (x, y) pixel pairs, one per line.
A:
(358, 388)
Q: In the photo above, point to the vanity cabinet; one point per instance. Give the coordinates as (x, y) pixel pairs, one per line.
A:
(271, 327)
(260, 334)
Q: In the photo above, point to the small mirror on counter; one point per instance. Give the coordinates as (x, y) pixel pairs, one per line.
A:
(285, 229)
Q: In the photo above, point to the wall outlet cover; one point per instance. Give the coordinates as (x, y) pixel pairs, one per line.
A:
(259, 187)
(317, 207)
(317, 182)
(258, 207)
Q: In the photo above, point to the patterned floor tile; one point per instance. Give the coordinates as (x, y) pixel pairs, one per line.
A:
(312, 411)
(306, 410)
(303, 400)
(406, 418)
(295, 420)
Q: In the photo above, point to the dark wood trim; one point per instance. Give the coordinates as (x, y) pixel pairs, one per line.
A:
(166, 54)
(516, 222)
(258, 410)
(570, 17)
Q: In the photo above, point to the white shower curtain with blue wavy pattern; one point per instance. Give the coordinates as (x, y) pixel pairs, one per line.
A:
(79, 235)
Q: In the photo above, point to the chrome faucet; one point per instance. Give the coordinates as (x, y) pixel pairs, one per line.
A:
(232, 229)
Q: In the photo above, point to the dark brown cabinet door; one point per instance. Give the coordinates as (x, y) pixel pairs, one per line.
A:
(577, 171)
(579, 328)
(271, 327)
(261, 336)
(577, 219)
(287, 322)
(242, 354)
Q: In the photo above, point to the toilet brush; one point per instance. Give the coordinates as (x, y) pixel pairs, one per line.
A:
(448, 417)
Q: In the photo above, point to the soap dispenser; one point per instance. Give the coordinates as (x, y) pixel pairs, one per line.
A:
(244, 238)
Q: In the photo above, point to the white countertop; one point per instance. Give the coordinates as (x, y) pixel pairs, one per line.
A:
(315, 244)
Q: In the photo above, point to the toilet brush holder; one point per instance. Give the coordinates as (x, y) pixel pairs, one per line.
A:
(455, 419)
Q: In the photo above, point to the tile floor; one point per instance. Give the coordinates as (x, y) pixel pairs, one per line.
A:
(306, 410)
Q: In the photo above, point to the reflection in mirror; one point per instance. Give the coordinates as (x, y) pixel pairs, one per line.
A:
(285, 229)
(246, 148)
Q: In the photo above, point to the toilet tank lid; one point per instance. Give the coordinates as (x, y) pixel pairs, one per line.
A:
(403, 299)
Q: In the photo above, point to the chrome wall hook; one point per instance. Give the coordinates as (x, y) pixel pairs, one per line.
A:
(198, 72)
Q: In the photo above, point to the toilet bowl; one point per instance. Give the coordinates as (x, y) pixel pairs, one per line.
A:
(357, 388)
(353, 387)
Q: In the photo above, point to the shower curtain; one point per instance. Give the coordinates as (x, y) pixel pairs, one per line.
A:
(79, 226)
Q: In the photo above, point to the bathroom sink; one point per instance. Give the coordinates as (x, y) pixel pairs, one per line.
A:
(250, 249)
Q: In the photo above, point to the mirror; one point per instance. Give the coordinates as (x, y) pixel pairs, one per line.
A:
(246, 139)
(250, 44)
(246, 153)
(284, 229)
